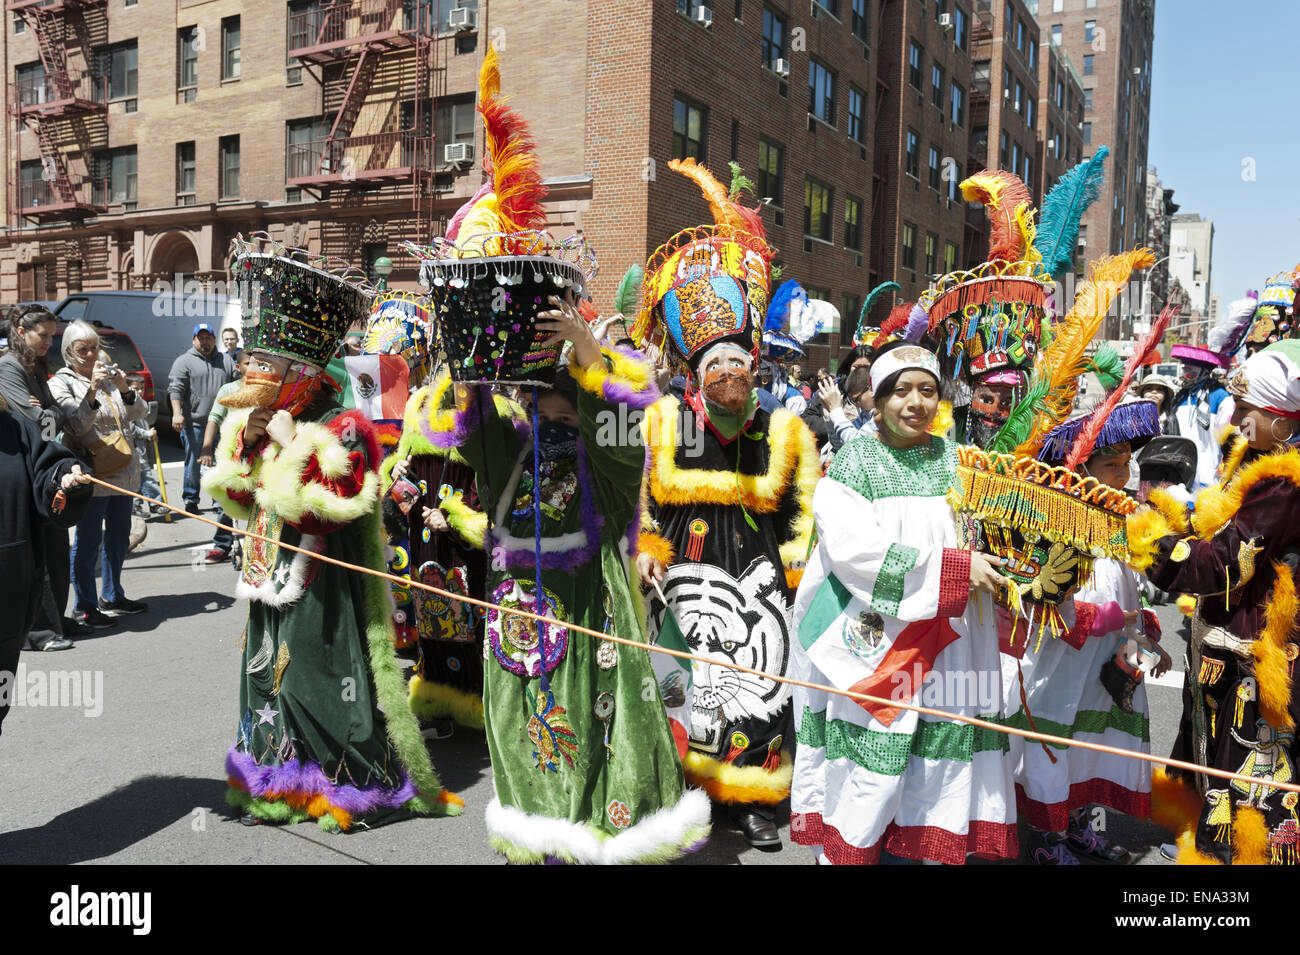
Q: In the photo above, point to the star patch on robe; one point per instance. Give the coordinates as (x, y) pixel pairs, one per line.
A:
(282, 574)
(266, 715)
(903, 669)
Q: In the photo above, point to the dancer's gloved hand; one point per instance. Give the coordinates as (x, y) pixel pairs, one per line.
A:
(649, 569)
(281, 427)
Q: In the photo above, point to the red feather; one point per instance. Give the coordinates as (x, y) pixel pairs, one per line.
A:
(1083, 445)
(898, 316)
(1002, 193)
(512, 162)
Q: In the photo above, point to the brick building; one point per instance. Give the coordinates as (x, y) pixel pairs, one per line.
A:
(145, 134)
(1060, 116)
(1111, 42)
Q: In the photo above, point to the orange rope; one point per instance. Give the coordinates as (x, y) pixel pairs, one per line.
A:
(861, 697)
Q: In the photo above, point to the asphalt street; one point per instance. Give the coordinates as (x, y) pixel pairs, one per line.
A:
(133, 774)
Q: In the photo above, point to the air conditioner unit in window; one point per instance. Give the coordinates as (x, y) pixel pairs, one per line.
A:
(781, 67)
(1006, 94)
(462, 18)
(704, 17)
(945, 20)
(457, 153)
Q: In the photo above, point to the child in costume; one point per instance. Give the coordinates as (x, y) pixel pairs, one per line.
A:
(1084, 684)
(323, 732)
(875, 611)
(728, 507)
(584, 764)
(1238, 552)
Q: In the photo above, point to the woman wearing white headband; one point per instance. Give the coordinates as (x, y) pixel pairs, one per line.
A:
(880, 613)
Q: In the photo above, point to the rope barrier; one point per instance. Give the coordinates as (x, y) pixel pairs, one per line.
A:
(860, 697)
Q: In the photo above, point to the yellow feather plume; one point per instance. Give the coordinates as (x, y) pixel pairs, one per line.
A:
(724, 213)
(1062, 362)
(489, 75)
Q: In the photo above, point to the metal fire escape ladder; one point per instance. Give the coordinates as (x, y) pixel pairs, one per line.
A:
(358, 86)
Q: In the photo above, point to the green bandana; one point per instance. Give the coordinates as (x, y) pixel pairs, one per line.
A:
(729, 423)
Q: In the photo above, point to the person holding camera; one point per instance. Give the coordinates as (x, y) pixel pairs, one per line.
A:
(97, 408)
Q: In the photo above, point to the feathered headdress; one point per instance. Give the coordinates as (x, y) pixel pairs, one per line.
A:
(1084, 444)
(709, 284)
(867, 305)
(1230, 331)
(1058, 220)
(892, 326)
(1011, 213)
(1056, 372)
(628, 297)
(1106, 365)
(510, 199)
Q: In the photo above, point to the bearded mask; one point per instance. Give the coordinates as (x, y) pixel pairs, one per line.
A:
(726, 379)
(291, 390)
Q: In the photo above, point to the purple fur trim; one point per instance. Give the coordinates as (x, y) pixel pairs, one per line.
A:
(917, 323)
(620, 391)
(461, 420)
(572, 559)
(696, 846)
(308, 779)
(523, 430)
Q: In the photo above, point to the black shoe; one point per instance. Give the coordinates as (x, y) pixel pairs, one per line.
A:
(73, 629)
(51, 641)
(122, 606)
(759, 831)
(94, 620)
(191, 508)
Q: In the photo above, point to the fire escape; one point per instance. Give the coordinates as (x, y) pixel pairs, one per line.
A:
(54, 106)
(347, 41)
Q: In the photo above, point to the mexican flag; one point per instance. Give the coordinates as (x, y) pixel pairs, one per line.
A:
(674, 676)
(375, 385)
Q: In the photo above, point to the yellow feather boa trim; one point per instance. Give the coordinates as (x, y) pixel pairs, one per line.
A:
(729, 783)
(470, 525)
(1145, 529)
(430, 701)
(1272, 668)
(230, 473)
(623, 370)
(658, 547)
(1216, 505)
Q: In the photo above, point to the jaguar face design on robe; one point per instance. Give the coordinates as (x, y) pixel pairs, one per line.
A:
(742, 621)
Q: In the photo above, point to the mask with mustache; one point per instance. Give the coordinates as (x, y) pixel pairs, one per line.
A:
(262, 389)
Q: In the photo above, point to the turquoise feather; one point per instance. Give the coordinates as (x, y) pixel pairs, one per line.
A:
(874, 294)
(1063, 207)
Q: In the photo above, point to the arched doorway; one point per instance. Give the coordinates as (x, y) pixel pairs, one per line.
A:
(174, 255)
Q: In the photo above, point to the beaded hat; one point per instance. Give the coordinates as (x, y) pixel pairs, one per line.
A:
(294, 304)
(709, 285)
(1274, 315)
(495, 268)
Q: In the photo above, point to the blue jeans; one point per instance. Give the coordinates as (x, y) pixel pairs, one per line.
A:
(108, 519)
(148, 480)
(192, 442)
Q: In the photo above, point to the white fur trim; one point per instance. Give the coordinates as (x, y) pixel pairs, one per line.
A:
(296, 585)
(563, 543)
(543, 835)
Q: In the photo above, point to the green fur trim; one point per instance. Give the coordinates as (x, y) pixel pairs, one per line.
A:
(282, 488)
(430, 701)
(660, 855)
(390, 687)
(228, 472)
(470, 525)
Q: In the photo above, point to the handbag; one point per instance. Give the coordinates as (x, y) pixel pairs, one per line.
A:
(112, 453)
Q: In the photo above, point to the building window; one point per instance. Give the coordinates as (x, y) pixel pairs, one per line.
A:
(1088, 69)
(115, 177)
(1033, 54)
(1002, 150)
(303, 145)
(32, 85)
(1015, 158)
(773, 38)
(1089, 30)
(453, 123)
(952, 180)
(119, 64)
(1090, 4)
(1018, 102)
(1087, 134)
(853, 223)
(1020, 35)
(1029, 113)
(909, 246)
(187, 64)
(936, 85)
(1087, 100)
(860, 25)
(940, 8)
(1060, 95)
(914, 64)
(959, 27)
(771, 173)
(958, 102)
(1058, 6)
(816, 210)
(20, 25)
(185, 174)
(821, 92)
(1056, 34)
(228, 149)
(931, 253)
(830, 6)
(949, 257)
(913, 153)
(689, 125)
(857, 130)
(230, 48)
(934, 169)
(1026, 176)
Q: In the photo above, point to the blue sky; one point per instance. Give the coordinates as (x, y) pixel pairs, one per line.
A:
(1225, 87)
